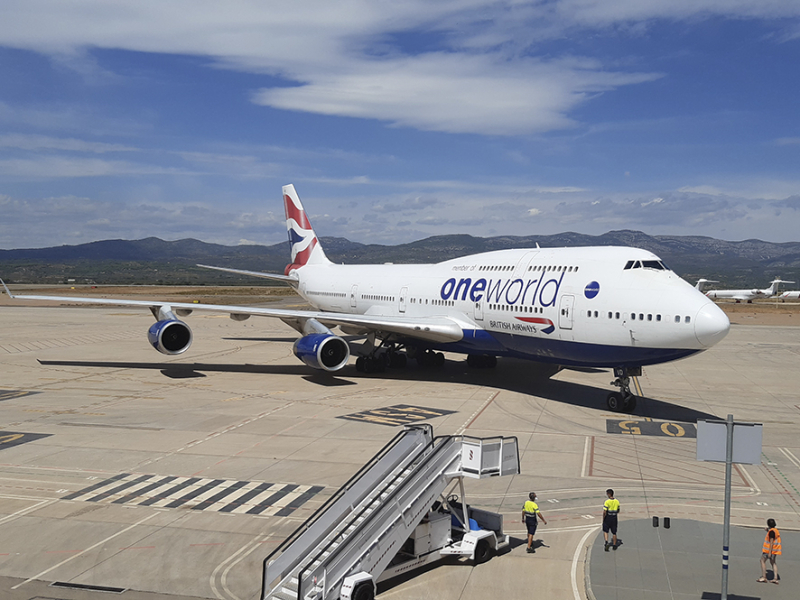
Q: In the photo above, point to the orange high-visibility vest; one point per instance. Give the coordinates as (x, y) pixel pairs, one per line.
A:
(772, 546)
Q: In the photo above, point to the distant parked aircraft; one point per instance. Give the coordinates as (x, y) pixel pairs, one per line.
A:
(702, 282)
(747, 295)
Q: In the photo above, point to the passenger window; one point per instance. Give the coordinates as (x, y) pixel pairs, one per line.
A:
(595, 313)
(641, 317)
(677, 319)
(633, 316)
(589, 313)
(617, 315)
(609, 314)
(658, 317)
(688, 320)
(649, 317)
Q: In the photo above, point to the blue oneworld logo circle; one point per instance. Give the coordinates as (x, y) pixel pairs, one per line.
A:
(591, 290)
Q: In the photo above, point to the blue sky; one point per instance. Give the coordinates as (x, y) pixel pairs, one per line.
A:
(398, 120)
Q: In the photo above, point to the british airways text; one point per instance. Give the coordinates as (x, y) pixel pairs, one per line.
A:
(541, 292)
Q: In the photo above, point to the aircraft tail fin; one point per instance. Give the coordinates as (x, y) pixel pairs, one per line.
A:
(774, 286)
(306, 249)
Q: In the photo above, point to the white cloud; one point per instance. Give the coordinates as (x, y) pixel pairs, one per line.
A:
(702, 189)
(455, 93)
(22, 141)
(342, 60)
(43, 167)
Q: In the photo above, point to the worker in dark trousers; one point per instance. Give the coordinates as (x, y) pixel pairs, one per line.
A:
(770, 551)
(610, 512)
(530, 512)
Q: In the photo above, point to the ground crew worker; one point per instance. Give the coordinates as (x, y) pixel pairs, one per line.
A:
(610, 512)
(771, 550)
(530, 511)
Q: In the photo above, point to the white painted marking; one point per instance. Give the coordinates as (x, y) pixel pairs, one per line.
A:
(82, 552)
(575, 558)
(788, 454)
(586, 446)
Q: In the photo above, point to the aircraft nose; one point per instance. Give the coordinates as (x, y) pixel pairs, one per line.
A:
(711, 325)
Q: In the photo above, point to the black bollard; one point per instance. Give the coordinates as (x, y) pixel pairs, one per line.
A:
(655, 521)
(666, 522)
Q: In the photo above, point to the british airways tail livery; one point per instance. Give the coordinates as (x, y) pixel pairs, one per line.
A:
(610, 307)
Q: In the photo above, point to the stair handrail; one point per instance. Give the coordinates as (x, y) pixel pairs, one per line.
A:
(319, 513)
(440, 443)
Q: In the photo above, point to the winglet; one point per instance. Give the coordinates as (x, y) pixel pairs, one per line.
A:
(8, 291)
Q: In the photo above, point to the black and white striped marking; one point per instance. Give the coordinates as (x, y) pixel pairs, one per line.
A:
(199, 493)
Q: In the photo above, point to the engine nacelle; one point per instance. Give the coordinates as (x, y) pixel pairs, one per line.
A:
(322, 351)
(170, 336)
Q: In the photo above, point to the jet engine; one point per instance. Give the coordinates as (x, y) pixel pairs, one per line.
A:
(322, 351)
(170, 336)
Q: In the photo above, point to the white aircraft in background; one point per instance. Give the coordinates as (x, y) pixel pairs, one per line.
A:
(610, 307)
(701, 283)
(790, 295)
(747, 295)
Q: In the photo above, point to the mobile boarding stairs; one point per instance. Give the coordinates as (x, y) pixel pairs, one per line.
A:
(392, 516)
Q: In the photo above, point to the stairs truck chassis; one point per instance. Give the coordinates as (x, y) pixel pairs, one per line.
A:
(394, 516)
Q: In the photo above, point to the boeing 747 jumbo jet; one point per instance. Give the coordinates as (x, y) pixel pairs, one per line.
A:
(747, 295)
(612, 307)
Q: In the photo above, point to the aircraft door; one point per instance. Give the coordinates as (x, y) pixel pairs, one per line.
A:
(403, 296)
(479, 310)
(565, 311)
(522, 266)
(353, 296)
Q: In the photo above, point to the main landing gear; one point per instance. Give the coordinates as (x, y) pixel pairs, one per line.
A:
(378, 359)
(623, 400)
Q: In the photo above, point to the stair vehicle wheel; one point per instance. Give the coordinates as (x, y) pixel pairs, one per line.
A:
(483, 552)
(614, 402)
(364, 591)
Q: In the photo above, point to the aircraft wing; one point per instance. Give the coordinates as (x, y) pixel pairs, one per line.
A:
(433, 329)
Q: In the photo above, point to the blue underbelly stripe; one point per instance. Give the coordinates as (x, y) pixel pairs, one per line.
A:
(561, 352)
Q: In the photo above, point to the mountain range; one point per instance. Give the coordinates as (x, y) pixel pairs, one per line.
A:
(748, 263)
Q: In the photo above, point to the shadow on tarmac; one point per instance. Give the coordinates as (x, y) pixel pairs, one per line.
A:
(512, 375)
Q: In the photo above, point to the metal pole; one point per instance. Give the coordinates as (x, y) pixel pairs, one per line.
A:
(726, 527)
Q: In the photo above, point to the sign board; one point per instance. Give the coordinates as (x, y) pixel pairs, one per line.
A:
(712, 439)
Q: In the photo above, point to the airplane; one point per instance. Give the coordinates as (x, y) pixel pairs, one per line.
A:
(702, 282)
(747, 295)
(790, 295)
(602, 307)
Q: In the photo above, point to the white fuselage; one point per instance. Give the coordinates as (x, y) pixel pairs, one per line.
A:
(598, 306)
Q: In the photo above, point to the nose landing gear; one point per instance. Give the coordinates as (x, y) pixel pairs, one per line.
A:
(624, 400)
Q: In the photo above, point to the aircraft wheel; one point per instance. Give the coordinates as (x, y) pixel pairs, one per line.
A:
(438, 359)
(360, 367)
(629, 404)
(398, 360)
(614, 401)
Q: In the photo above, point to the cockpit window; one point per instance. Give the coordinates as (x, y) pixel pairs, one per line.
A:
(653, 264)
(658, 265)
